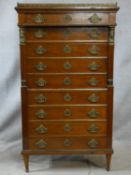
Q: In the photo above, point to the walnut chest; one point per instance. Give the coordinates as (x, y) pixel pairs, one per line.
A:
(67, 78)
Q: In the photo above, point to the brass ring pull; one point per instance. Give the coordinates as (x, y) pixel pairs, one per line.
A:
(94, 34)
(95, 19)
(41, 129)
(67, 49)
(41, 99)
(67, 97)
(93, 98)
(67, 113)
(67, 65)
(94, 50)
(67, 142)
(40, 34)
(41, 82)
(39, 19)
(67, 81)
(93, 81)
(93, 129)
(93, 143)
(41, 144)
(40, 50)
(40, 66)
(93, 113)
(67, 18)
(67, 127)
(93, 66)
(41, 114)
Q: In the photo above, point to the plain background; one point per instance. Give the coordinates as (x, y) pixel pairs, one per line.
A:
(10, 116)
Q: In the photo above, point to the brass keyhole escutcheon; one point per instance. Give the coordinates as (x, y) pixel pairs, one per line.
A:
(67, 127)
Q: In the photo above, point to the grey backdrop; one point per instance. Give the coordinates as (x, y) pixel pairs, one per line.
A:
(10, 116)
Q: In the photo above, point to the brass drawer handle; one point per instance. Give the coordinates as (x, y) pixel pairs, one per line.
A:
(67, 127)
(95, 19)
(67, 97)
(40, 50)
(93, 113)
(41, 129)
(66, 33)
(93, 129)
(93, 98)
(94, 34)
(41, 144)
(67, 142)
(41, 82)
(93, 66)
(67, 65)
(39, 19)
(41, 114)
(93, 143)
(94, 50)
(40, 66)
(40, 34)
(67, 81)
(67, 113)
(67, 18)
(41, 99)
(67, 49)
(93, 81)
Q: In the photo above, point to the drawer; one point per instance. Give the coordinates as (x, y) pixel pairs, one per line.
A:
(93, 113)
(66, 81)
(67, 33)
(66, 49)
(67, 97)
(67, 128)
(58, 19)
(66, 65)
(68, 143)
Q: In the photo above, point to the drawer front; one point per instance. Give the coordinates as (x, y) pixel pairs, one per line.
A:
(67, 143)
(67, 97)
(93, 113)
(66, 65)
(67, 33)
(66, 81)
(57, 19)
(67, 128)
(66, 49)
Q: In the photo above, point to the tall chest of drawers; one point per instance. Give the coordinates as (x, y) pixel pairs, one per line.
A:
(67, 78)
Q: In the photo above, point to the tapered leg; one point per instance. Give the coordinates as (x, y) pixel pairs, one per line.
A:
(26, 161)
(108, 161)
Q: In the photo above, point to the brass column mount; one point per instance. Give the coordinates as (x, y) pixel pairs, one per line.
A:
(22, 36)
